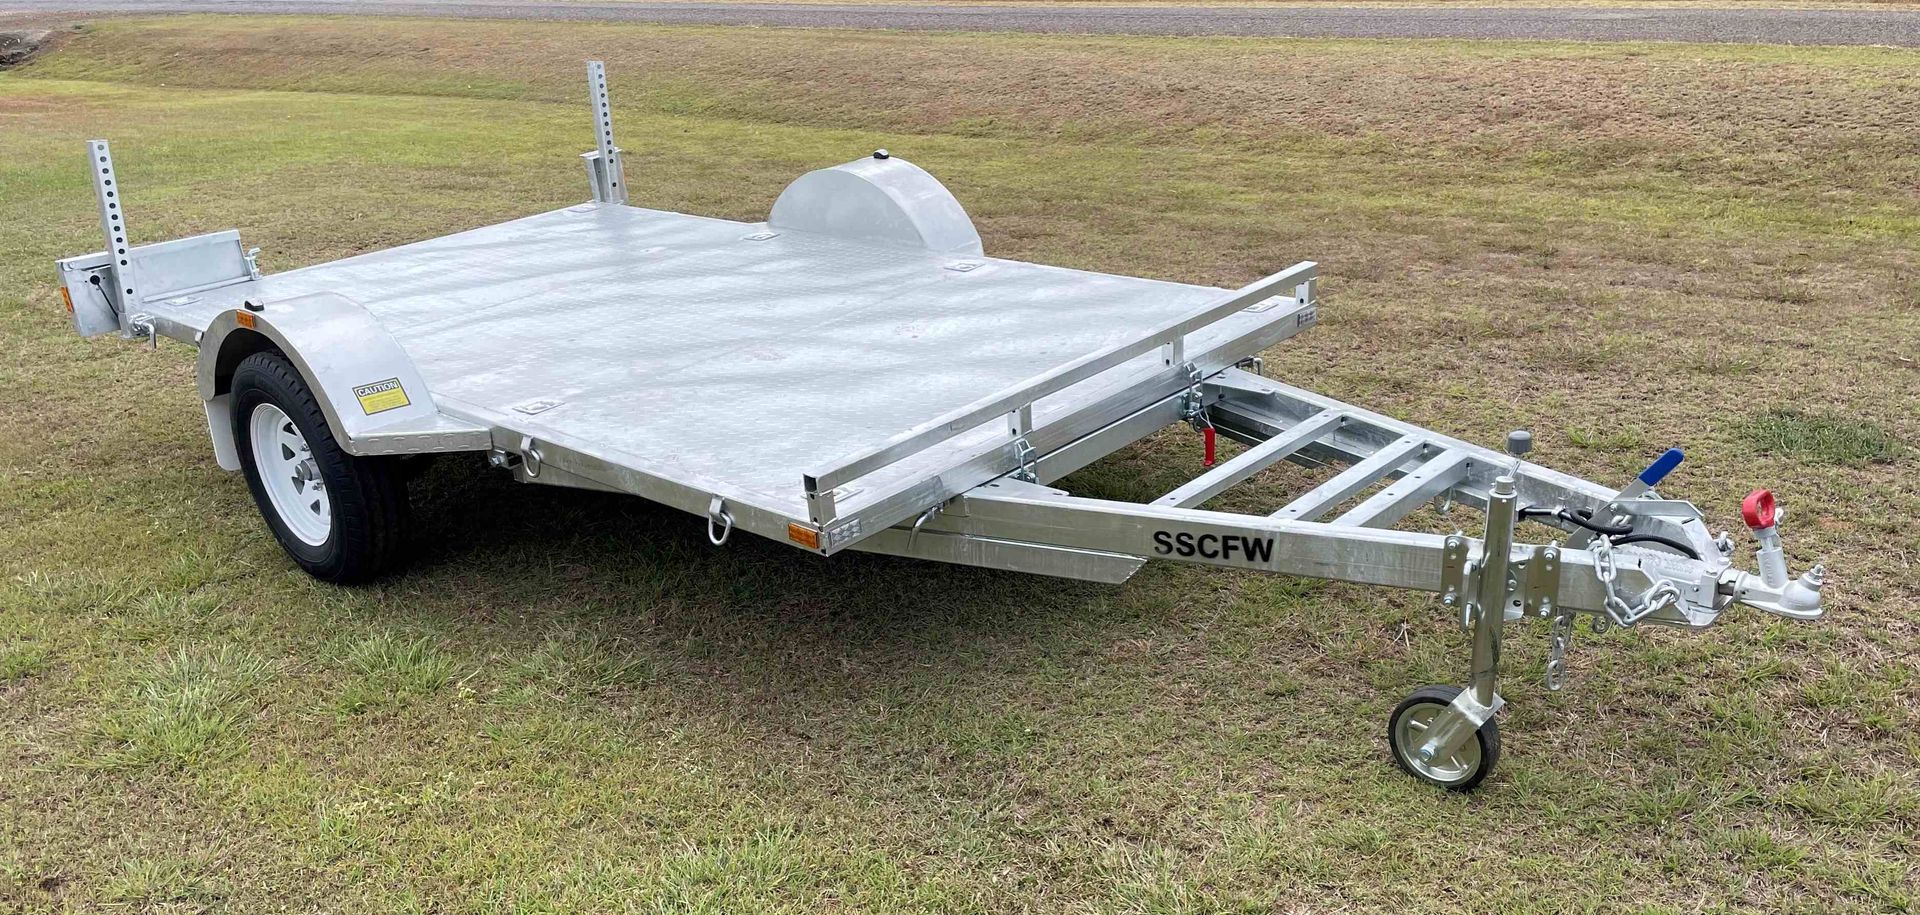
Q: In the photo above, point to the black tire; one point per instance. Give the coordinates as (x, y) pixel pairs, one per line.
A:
(366, 495)
(1426, 700)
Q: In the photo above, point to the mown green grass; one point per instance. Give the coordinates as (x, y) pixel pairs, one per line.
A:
(1821, 437)
(573, 703)
(187, 709)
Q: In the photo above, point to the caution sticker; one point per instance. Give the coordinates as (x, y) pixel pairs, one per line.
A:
(382, 396)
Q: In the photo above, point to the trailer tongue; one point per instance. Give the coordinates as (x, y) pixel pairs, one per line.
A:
(856, 374)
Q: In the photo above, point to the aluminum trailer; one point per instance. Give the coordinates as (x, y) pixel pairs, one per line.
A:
(855, 373)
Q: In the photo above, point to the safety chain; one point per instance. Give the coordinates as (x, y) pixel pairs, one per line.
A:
(1561, 635)
(1657, 598)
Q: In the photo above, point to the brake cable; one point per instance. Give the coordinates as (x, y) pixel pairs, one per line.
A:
(1618, 534)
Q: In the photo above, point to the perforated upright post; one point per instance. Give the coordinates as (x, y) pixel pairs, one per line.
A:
(113, 225)
(609, 181)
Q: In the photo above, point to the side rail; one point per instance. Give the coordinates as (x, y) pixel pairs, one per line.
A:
(1015, 403)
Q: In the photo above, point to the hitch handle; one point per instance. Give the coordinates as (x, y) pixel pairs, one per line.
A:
(1662, 466)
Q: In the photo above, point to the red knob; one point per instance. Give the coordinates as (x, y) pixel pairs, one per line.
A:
(1758, 509)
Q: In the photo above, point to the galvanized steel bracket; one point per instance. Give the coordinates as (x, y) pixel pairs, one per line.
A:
(1541, 589)
(1029, 461)
(1453, 571)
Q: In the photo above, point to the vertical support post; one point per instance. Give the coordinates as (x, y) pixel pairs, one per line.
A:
(1491, 619)
(820, 502)
(1476, 704)
(609, 180)
(113, 225)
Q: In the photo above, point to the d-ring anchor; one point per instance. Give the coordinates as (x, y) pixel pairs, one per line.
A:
(717, 511)
(530, 456)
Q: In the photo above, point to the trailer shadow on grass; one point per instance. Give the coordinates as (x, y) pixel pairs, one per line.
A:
(931, 661)
(534, 557)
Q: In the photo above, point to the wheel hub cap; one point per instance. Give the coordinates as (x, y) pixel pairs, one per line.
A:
(290, 475)
(1413, 727)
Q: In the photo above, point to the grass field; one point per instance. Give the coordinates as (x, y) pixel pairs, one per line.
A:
(573, 703)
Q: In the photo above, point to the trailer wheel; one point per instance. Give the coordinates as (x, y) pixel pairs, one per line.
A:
(1406, 731)
(340, 517)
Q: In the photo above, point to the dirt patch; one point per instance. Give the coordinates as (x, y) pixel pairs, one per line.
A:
(17, 46)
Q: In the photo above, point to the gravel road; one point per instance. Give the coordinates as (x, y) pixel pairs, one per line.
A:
(1829, 27)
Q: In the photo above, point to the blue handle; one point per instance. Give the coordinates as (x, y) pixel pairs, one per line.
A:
(1662, 466)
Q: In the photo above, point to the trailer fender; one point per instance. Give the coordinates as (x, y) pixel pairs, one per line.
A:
(877, 199)
(374, 399)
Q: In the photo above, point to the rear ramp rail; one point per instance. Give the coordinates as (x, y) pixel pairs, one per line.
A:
(1016, 402)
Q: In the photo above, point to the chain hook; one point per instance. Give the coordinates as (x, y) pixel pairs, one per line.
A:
(1560, 638)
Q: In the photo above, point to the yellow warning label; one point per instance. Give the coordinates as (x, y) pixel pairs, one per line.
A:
(382, 396)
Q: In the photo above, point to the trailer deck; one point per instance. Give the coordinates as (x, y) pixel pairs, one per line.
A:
(729, 358)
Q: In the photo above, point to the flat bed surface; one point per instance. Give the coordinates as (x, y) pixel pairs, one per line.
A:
(687, 347)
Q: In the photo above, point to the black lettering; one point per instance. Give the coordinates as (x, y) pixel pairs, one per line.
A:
(1260, 549)
(1213, 546)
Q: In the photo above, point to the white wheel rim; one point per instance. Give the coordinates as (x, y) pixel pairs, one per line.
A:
(290, 475)
(1411, 732)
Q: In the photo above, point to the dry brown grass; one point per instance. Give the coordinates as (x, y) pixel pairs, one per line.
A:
(1501, 96)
